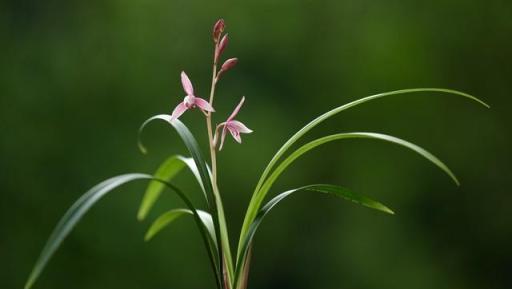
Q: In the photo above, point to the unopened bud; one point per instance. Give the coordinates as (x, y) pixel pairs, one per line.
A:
(228, 64)
(218, 28)
(222, 45)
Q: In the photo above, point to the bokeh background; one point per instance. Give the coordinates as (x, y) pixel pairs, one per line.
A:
(77, 78)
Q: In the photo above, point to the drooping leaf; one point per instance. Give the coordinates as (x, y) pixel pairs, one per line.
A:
(273, 162)
(259, 196)
(191, 144)
(334, 190)
(339, 109)
(168, 217)
(167, 170)
(216, 207)
(91, 197)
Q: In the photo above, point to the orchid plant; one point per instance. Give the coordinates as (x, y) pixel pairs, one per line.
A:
(230, 268)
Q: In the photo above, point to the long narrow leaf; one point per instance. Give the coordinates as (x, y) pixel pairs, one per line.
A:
(334, 190)
(260, 195)
(91, 197)
(248, 218)
(216, 207)
(167, 170)
(190, 143)
(168, 217)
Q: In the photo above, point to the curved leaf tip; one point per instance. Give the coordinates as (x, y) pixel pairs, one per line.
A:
(141, 147)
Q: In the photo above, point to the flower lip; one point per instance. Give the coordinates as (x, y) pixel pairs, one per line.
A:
(189, 101)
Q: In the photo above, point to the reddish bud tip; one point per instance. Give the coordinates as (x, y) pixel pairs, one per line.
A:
(228, 64)
(218, 28)
(222, 45)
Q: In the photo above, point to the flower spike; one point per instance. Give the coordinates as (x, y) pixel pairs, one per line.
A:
(234, 127)
(190, 100)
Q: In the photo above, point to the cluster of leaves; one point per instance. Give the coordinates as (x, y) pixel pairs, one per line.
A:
(229, 272)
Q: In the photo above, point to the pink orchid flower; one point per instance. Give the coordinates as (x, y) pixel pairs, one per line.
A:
(233, 126)
(190, 100)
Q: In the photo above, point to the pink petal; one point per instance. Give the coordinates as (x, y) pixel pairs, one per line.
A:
(223, 136)
(237, 109)
(187, 85)
(203, 104)
(178, 111)
(234, 133)
(240, 127)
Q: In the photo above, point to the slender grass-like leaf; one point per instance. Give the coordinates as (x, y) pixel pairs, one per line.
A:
(167, 170)
(334, 190)
(254, 204)
(91, 197)
(260, 195)
(168, 217)
(190, 143)
(216, 207)
(163, 221)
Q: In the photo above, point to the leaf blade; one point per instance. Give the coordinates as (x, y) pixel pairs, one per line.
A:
(259, 196)
(334, 190)
(75, 213)
(214, 198)
(166, 171)
(299, 134)
(168, 217)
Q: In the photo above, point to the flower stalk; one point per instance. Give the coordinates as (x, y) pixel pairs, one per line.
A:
(226, 260)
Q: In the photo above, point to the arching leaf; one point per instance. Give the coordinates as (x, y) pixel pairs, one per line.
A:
(273, 162)
(91, 197)
(168, 217)
(216, 207)
(334, 190)
(167, 170)
(259, 196)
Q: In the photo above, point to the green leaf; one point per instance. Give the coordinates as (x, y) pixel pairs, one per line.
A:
(167, 170)
(163, 221)
(334, 190)
(339, 109)
(259, 196)
(91, 197)
(253, 203)
(168, 217)
(190, 143)
(216, 207)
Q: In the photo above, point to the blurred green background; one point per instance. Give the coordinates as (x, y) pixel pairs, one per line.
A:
(77, 78)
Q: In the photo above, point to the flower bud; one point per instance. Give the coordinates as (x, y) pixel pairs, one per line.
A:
(222, 45)
(218, 28)
(228, 64)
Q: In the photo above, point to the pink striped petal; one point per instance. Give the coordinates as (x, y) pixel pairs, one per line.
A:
(223, 136)
(240, 127)
(237, 109)
(178, 111)
(234, 133)
(187, 85)
(203, 104)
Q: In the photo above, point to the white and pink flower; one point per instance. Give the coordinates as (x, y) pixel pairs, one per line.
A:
(190, 100)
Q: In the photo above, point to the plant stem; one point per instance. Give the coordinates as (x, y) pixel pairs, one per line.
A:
(225, 247)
